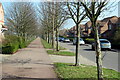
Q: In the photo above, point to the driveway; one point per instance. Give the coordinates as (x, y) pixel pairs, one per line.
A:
(110, 58)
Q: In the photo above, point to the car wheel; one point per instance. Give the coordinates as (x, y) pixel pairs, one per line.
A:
(109, 49)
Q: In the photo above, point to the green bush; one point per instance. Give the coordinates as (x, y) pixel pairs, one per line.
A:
(15, 46)
(10, 49)
(7, 49)
(10, 44)
(22, 42)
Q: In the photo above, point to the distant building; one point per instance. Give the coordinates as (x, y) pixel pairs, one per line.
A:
(2, 27)
(106, 28)
(110, 27)
(63, 32)
(72, 31)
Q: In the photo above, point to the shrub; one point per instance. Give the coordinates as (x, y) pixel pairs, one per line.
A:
(7, 50)
(10, 49)
(10, 44)
(22, 42)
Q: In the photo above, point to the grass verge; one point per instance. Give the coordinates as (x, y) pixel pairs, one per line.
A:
(67, 71)
(48, 45)
(62, 53)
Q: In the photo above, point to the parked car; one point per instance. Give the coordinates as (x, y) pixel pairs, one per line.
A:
(81, 42)
(104, 43)
(66, 40)
(61, 39)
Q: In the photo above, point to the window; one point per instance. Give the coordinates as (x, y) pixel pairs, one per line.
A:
(104, 41)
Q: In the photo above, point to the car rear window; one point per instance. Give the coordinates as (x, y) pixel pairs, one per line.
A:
(104, 41)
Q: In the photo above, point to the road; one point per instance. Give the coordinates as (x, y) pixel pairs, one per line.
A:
(110, 59)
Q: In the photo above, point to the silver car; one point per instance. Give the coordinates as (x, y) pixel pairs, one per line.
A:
(81, 42)
(66, 40)
(104, 43)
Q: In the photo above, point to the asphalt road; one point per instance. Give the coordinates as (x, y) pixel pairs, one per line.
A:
(110, 58)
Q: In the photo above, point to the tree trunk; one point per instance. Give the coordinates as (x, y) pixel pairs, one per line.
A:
(77, 63)
(53, 41)
(98, 54)
(48, 37)
(57, 41)
(53, 36)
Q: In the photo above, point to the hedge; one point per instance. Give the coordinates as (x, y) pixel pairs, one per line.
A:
(12, 43)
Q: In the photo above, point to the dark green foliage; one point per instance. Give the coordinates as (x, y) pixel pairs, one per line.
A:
(22, 43)
(7, 49)
(12, 43)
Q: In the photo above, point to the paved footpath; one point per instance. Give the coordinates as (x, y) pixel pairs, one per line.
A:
(31, 63)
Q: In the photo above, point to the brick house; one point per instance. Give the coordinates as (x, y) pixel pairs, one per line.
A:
(63, 32)
(72, 31)
(106, 27)
(2, 27)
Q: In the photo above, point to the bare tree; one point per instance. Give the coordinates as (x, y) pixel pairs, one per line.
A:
(53, 27)
(93, 11)
(60, 18)
(77, 14)
(52, 17)
(22, 19)
(44, 17)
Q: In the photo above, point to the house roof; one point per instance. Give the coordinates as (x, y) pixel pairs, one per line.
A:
(74, 27)
(3, 26)
(118, 20)
(101, 23)
(88, 24)
(82, 26)
(113, 19)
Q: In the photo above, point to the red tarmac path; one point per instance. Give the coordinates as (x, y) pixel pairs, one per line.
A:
(31, 63)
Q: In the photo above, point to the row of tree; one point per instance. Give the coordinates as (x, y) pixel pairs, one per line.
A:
(55, 13)
(52, 17)
(21, 20)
